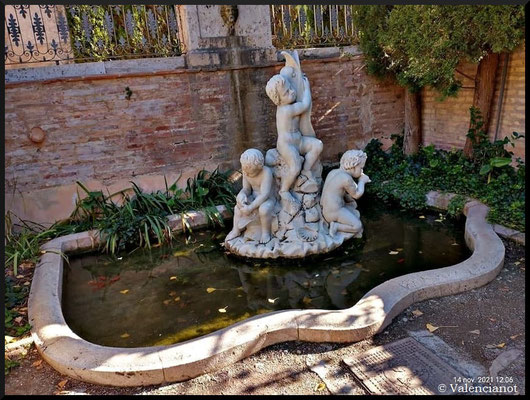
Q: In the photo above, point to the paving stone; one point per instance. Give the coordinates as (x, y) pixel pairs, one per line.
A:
(402, 367)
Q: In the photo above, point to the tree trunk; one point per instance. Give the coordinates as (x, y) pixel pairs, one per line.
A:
(412, 135)
(484, 91)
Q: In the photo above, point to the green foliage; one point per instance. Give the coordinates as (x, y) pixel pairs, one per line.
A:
(139, 220)
(407, 179)
(456, 205)
(421, 45)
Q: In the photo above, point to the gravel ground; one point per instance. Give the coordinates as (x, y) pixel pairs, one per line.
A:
(496, 311)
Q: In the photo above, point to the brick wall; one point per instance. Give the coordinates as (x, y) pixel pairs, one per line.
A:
(174, 123)
(445, 123)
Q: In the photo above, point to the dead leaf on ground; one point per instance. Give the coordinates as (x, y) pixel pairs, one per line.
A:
(173, 293)
(172, 278)
(166, 302)
(421, 217)
(223, 310)
(515, 336)
(501, 345)
(272, 301)
(37, 363)
(176, 298)
(393, 253)
(125, 291)
(476, 332)
(320, 387)
(124, 336)
(417, 313)
(211, 289)
(306, 300)
(431, 328)
(62, 384)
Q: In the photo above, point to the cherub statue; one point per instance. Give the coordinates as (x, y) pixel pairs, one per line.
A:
(340, 192)
(291, 143)
(256, 197)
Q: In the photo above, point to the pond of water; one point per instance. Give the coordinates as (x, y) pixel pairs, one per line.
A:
(173, 293)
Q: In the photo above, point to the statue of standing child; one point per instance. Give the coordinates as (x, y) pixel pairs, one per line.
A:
(291, 143)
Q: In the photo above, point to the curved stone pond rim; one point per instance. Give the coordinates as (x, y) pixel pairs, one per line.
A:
(77, 358)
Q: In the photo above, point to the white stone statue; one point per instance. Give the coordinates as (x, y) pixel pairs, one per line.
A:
(256, 198)
(300, 223)
(291, 144)
(340, 191)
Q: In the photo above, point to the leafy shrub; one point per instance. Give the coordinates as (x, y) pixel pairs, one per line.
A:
(407, 179)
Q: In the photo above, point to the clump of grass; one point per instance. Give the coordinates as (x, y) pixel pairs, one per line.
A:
(128, 218)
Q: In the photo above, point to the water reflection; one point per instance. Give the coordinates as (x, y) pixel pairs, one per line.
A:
(193, 287)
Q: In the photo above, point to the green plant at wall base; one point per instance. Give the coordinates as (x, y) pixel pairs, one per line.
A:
(407, 179)
(138, 219)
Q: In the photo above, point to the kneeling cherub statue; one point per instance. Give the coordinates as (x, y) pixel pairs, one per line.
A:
(340, 192)
(256, 198)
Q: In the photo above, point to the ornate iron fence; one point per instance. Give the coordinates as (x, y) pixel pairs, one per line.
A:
(312, 26)
(54, 34)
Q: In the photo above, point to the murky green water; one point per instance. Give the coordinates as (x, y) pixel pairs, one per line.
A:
(166, 295)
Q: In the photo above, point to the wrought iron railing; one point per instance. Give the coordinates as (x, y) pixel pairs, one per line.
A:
(54, 34)
(312, 26)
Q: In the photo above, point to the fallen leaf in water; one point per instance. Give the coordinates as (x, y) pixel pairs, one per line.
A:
(176, 299)
(421, 217)
(36, 363)
(393, 253)
(222, 310)
(182, 253)
(438, 220)
(211, 289)
(166, 302)
(116, 278)
(515, 336)
(431, 328)
(399, 249)
(335, 271)
(62, 384)
(401, 260)
(172, 278)
(273, 300)
(344, 292)
(515, 263)
(306, 300)
(417, 313)
(476, 332)
(22, 276)
(27, 283)
(125, 336)
(173, 293)
(125, 291)
(320, 387)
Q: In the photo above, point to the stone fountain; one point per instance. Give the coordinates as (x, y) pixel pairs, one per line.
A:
(284, 208)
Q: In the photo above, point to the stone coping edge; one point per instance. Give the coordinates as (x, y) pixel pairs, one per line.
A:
(85, 361)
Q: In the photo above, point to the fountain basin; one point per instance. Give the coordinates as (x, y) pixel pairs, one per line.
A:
(80, 359)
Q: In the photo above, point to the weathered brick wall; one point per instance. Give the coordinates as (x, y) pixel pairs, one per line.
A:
(175, 122)
(512, 114)
(445, 123)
